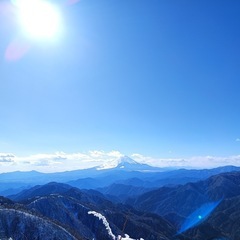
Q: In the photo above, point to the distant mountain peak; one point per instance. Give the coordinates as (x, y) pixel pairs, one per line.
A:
(122, 162)
(127, 164)
(126, 160)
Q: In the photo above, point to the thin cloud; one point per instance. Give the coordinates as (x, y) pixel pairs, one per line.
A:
(59, 161)
(6, 158)
(191, 162)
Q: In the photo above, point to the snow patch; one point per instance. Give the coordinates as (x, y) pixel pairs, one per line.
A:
(124, 238)
(127, 237)
(105, 222)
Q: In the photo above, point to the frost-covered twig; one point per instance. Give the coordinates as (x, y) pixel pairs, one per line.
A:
(105, 222)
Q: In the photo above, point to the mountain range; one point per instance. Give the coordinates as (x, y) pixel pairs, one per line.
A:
(87, 214)
(214, 200)
(126, 172)
(128, 201)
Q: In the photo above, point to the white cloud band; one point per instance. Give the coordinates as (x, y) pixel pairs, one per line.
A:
(61, 161)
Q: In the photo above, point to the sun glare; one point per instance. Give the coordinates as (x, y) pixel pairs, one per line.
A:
(39, 19)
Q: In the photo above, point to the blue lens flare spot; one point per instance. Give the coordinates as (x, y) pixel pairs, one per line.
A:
(198, 216)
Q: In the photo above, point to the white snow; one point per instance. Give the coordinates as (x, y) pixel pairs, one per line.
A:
(127, 237)
(105, 222)
(115, 163)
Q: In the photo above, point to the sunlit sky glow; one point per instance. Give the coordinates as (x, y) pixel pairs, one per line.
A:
(154, 78)
(39, 19)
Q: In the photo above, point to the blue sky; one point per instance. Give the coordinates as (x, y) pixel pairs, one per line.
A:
(158, 78)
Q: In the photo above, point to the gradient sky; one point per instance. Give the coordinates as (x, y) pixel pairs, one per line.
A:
(154, 77)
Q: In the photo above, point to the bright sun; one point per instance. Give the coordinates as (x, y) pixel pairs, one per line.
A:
(39, 19)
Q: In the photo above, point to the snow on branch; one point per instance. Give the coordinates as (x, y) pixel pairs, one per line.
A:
(105, 222)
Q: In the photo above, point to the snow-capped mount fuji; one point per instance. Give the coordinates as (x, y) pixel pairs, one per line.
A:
(126, 163)
(126, 160)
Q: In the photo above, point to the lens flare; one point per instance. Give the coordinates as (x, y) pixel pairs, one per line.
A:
(16, 50)
(198, 216)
